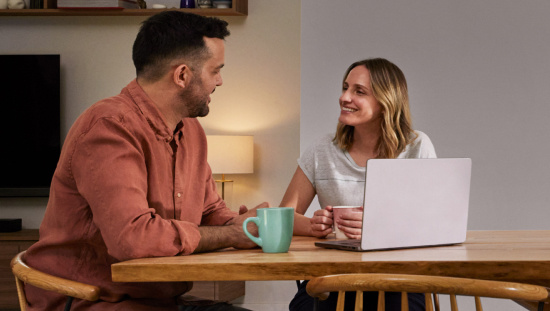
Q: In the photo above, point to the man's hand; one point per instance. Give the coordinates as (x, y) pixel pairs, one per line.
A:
(230, 235)
(243, 209)
(242, 241)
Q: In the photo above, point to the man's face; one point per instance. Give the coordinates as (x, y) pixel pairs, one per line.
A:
(205, 80)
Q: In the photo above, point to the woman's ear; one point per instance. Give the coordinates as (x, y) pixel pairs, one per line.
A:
(182, 75)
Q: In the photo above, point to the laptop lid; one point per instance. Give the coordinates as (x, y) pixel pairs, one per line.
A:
(413, 203)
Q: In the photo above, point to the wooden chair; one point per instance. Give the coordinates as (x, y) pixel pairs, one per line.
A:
(25, 274)
(320, 287)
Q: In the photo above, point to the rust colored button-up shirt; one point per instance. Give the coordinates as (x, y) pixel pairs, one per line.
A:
(126, 186)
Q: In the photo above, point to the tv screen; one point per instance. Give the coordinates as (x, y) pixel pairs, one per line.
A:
(30, 140)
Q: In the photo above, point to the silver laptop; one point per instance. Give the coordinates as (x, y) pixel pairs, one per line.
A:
(412, 203)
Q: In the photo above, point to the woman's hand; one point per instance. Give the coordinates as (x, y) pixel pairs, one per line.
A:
(321, 222)
(350, 223)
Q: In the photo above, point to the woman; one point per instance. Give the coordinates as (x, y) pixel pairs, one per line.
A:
(374, 122)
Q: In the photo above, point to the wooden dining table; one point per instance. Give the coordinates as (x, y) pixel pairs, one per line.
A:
(521, 256)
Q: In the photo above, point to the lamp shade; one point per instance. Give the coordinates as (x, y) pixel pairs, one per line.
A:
(231, 154)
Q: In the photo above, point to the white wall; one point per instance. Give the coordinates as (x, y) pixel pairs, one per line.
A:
(260, 97)
(478, 75)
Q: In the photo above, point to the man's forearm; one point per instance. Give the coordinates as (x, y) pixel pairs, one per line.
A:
(216, 237)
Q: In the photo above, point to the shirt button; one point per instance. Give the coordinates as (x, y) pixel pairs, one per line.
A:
(179, 194)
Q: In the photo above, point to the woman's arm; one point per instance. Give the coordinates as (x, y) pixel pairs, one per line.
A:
(299, 194)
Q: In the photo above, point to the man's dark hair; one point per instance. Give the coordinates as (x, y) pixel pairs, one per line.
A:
(171, 35)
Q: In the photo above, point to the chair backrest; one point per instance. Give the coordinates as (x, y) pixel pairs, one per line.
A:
(320, 287)
(25, 274)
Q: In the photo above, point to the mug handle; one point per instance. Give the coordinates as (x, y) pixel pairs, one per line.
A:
(254, 239)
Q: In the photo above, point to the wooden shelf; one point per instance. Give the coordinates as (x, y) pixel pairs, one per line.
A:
(239, 8)
(10, 245)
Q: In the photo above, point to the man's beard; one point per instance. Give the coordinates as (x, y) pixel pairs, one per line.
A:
(199, 108)
(196, 103)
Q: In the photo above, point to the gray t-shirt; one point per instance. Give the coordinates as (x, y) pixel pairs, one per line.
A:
(337, 179)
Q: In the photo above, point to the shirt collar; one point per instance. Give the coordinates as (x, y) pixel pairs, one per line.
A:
(151, 112)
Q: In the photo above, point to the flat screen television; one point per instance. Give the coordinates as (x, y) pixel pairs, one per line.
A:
(30, 141)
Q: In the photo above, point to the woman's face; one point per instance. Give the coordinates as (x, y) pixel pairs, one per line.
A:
(357, 103)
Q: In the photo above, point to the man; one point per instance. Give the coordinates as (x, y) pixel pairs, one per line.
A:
(132, 180)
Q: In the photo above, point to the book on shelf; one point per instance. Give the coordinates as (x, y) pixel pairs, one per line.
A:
(36, 4)
(97, 4)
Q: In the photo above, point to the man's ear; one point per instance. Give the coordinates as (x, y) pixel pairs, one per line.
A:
(182, 75)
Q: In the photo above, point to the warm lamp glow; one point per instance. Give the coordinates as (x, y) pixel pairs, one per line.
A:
(231, 154)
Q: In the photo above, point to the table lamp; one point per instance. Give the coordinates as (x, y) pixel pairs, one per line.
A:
(230, 155)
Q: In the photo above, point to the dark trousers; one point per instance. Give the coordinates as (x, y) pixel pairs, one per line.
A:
(304, 302)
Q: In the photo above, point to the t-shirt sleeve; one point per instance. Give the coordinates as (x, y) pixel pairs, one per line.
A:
(426, 147)
(420, 148)
(307, 163)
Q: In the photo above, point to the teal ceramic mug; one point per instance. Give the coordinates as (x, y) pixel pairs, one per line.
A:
(275, 225)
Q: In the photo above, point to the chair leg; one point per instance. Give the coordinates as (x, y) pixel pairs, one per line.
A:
(381, 301)
(541, 306)
(21, 294)
(428, 302)
(454, 305)
(359, 301)
(315, 304)
(68, 303)
(436, 301)
(479, 307)
(404, 301)
(341, 301)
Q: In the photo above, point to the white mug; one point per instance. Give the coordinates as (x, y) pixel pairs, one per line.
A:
(337, 212)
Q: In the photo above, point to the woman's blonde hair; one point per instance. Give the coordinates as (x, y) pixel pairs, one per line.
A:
(390, 90)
